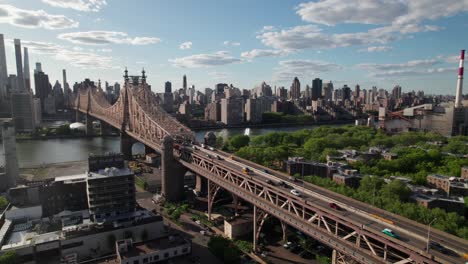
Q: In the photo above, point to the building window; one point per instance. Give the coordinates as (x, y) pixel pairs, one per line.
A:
(175, 252)
(136, 262)
(145, 260)
(156, 257)
(184, 250)
(166, 255)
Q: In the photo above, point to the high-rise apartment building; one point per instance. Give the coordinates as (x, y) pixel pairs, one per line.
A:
(184, 84)
(19, 65)
(232, 110)
(3, 71)
(327, 92)
(168, 87)
(42, 85)
(295, 89)
(26, 73)
(22, 109)
(316, 89)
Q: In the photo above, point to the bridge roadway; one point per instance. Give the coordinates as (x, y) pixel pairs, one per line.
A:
(410, 232)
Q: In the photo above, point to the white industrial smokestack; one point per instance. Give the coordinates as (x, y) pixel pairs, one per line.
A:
(459, 96)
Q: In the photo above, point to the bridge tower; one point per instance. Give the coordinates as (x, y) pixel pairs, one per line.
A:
(172, 172)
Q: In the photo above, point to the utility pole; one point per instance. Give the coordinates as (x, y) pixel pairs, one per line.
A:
(429, 233)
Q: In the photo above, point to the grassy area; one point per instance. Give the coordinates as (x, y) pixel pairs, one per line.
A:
(175, 210)
(202, 218)
(141, 183)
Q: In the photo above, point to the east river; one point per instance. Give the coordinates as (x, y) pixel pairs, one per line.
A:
(38, 152)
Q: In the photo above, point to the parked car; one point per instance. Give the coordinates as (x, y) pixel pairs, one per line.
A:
(295, 192)
(390, 232)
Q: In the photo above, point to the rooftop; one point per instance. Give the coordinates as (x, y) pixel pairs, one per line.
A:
(110, 172)
(151, 246)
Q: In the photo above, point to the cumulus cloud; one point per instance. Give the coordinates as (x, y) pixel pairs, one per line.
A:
(106, 37)
(332, 12)
(289, 69)
(407, 69)
(311, 36)
(34, 18)
(76, 56)
(376, 49)
(185, 45)
(80, 5)
(205, 60)
(256, 53)
(231, 43)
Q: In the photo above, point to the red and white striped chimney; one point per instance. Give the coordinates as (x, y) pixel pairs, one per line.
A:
(459, 95)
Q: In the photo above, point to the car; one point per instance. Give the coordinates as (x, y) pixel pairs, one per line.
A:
(334, 206)
(269, 181)
(295, 192)
(266, 171)
(390, 232)
(246, 170)
(287, 244)
(211, 148)
(198, 222)
(293, 179)
(438, 247)
(208, 156)
(219, 157)
(264, 254)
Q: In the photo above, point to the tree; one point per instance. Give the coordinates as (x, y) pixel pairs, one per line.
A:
(238, 141)
(3, 202)
(9, 257)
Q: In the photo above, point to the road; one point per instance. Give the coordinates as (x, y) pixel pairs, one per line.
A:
(410, 232)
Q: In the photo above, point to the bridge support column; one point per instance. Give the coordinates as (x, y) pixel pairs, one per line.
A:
(339, 258)
(172, 172)
(106, 129)
(89, 125)
(126, 143)
(200, 184)
(284, 227)
(235, 201)
(77, 116)
(212, 191)
(259, 217)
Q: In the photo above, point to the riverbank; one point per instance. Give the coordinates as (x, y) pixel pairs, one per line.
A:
(320, 123)
(33, 137)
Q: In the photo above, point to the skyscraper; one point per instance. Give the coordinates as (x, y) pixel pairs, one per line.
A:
(38, 67)
(316, 89)
(168, 87)
(19, 65)
(295, 89)
(184, 84)
(42, 86)
(66, 88)
(3, 70)
(27, 75)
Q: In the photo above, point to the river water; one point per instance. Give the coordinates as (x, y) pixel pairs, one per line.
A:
(38, 152)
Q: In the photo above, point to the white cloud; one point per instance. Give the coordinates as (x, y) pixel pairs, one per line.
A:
(231, 43)
(407, 69)
(256, 53)
(268, 28)
(105, 50)
(377, 49)
(307, 69)
(311, 36)
(80, 5)
(34, 18)
(75, 56)
(185, 45)
(106, 37)
(219, 75)
(205, 60)
(332, 12)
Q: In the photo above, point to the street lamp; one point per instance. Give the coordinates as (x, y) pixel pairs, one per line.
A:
(429, 233)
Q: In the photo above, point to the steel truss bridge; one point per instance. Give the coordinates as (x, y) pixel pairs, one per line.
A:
(353, 232)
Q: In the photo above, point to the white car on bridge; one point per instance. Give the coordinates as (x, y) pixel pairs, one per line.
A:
(295, 192)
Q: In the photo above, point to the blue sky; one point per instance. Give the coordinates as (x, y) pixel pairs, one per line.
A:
(244, 42)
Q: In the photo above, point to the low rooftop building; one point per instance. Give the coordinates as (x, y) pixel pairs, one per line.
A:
(152, 251)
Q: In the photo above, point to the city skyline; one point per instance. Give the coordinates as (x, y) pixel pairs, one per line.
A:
(298, 38)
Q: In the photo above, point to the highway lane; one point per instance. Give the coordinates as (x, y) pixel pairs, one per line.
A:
(409, 233)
